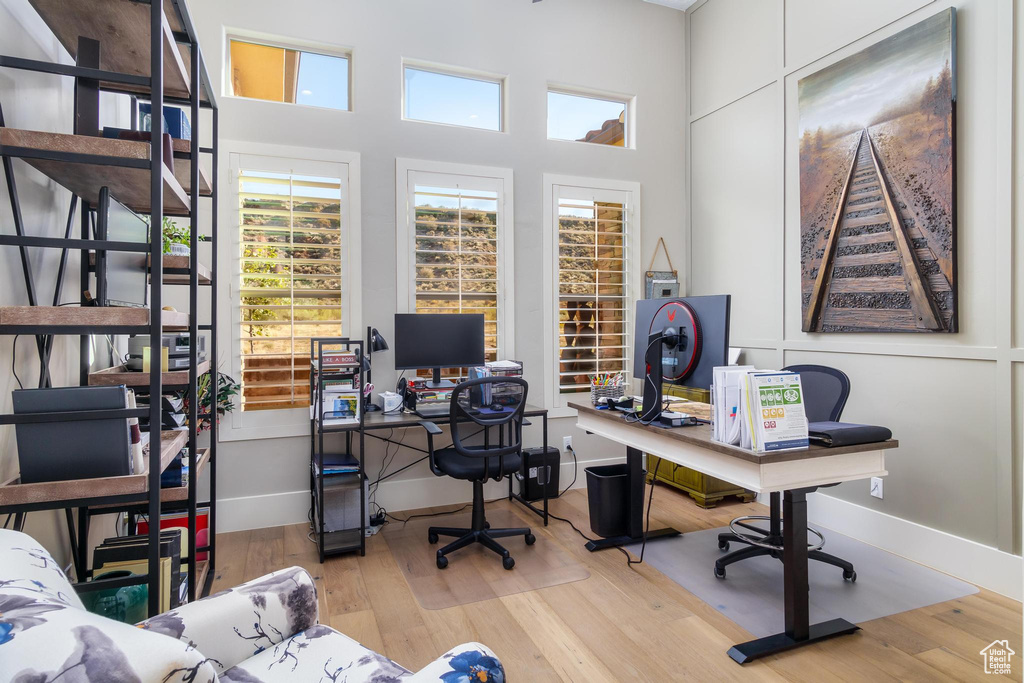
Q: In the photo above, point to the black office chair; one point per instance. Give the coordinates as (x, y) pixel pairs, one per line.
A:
(480, 463)
(825, 392)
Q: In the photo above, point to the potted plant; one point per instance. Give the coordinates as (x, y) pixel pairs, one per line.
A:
(228, 388)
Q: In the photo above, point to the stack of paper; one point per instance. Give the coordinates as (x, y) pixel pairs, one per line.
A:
(758, 410)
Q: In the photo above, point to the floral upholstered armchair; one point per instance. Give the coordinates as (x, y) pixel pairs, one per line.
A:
(264, 630)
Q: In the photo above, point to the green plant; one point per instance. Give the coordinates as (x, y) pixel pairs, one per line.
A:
(175, 234)
(228, 387)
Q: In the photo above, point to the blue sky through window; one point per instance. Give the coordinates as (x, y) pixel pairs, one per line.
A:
(323, 81)
(571, 117)
(456, 100)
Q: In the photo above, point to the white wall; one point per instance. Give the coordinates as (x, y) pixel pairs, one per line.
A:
(625, 46)
(953, 401)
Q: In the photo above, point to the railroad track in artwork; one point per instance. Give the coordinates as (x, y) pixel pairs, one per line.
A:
(876, 272)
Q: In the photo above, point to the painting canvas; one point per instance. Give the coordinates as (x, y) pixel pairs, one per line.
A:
(877, 186)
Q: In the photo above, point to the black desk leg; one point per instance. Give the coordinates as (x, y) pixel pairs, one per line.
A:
(634, 458)
(544, 421)
(799, 631)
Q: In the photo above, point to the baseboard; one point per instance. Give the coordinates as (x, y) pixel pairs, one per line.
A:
(292, 507)
(979, 564)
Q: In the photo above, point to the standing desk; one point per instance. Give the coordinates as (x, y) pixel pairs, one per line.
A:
(795, 473)
(378, 420)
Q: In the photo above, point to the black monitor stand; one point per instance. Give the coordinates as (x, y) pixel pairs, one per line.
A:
(437, 383)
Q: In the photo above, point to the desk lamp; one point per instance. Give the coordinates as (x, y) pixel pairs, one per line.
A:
(374, 342)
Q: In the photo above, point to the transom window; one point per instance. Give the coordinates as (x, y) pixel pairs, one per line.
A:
(439, 95)
(586, 118)
(282, 74)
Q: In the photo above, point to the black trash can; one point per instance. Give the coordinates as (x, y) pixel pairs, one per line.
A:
(608, 497)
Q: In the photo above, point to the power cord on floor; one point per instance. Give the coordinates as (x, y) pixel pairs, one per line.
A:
(647, 525)
(575, 469)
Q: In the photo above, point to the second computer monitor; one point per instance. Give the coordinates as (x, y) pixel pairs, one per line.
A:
(438, 340)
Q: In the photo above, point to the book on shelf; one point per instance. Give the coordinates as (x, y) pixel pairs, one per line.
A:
(338, 359)
(337, 409)
(339, 463)
(131, 553)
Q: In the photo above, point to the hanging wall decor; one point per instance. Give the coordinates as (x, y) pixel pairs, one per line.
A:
(877, 193)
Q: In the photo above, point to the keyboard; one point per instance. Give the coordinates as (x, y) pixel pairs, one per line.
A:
(431, 411)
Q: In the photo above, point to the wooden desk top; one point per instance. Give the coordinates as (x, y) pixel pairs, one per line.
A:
(378, 420)
(700, 435)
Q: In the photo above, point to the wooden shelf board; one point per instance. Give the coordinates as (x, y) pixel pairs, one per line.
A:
(130, 186)
(122, 375)
(87, 316)
(183, 168)
(122, 29)
(179, 493)
(83, 316)
(14, 493)
(178, 263)
(182, 263)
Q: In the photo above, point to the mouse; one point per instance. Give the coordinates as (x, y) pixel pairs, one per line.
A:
(496, 407)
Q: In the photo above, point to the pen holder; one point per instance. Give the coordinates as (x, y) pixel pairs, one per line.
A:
(597, 393)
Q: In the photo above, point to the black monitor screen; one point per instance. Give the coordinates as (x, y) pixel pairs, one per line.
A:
(438, 340)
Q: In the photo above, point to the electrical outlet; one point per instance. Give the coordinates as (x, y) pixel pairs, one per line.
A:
(566, 443)
(876, 487)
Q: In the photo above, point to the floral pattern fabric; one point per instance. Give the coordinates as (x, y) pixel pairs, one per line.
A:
(260, 632)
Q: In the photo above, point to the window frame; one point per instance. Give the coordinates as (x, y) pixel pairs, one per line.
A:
(459, 72)
(411, 172)
(300, 45)
(593, 189)
(628, 101)
(284, 422)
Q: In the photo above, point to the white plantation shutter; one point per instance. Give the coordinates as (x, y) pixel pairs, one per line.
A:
(594, 316)
(290, 281)
(457, 250)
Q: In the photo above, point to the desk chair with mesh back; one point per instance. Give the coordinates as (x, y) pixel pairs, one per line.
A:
(480, 463)
(825, 392)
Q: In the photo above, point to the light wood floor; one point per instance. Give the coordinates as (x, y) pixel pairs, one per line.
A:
(621, 624)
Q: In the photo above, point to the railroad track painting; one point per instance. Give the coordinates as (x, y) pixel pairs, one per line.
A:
(871, 270)
(877, 186)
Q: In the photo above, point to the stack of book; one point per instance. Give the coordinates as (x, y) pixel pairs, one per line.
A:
(130, 554)
(758, 410)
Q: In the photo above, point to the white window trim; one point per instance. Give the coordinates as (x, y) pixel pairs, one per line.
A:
(270, 424)
(629, 101)
(406, 171)
(459, 72)
(271, 40)
(555, 402)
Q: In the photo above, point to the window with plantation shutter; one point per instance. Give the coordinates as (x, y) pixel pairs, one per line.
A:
(593, 284)
(292, 249)
(458, 249)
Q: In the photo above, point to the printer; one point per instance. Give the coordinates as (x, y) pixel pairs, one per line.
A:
(177, 346)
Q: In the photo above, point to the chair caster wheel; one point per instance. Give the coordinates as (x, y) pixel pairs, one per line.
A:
(719, 572)
(530, 539)
(508, 562)
(442, 561)
(487, 525)
(723, 546)
(850, 576)
(432, 538)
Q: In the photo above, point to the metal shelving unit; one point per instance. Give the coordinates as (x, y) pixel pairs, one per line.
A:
(107, 38)
(352, 538)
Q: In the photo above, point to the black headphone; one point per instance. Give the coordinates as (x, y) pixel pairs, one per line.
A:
(407, 394)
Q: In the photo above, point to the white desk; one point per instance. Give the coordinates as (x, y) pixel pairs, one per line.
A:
(794, 473)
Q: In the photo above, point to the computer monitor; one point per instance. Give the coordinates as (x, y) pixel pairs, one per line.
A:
(690, 335)
(122, 277)
(438, 340)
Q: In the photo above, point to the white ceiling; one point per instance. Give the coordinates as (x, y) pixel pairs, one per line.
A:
(675, 4)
